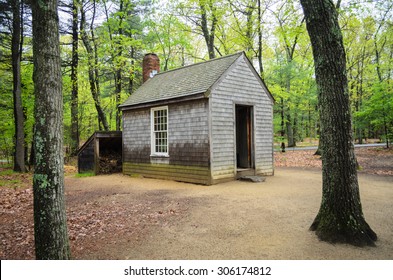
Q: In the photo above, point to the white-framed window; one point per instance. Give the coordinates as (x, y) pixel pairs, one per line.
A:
(159, 131)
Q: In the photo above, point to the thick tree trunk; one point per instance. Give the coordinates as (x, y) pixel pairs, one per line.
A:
(74, 81)
(19, 153)
(50, 224)
(340, 218)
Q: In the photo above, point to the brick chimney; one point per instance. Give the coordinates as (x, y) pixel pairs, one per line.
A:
(150, 66)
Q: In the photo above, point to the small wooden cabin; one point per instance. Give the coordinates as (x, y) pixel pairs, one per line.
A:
(204, 123)
(101, 153)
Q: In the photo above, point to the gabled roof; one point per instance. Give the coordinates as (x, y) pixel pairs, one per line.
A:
(182, 82)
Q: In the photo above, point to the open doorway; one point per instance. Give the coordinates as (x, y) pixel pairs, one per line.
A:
(244, 137)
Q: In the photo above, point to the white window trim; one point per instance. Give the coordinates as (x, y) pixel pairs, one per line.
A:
(153, 152)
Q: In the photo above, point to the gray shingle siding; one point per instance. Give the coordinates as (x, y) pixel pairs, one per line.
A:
(136, 136)
(240, 86)
(201, 128)
(187, 134)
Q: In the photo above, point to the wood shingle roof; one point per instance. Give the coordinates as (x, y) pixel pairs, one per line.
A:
(182, 82)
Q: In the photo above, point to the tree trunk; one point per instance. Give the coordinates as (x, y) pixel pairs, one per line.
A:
(282, 131)
(290, 138)
(93, 69)
(340, 217)
(117, 98)
(209, 35)
(50, 223)
(74, 81)
(19, 154)
(119, 66)
(132, 74)
(259, 30)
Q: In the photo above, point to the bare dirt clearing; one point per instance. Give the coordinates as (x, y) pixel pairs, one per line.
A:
(120, 217)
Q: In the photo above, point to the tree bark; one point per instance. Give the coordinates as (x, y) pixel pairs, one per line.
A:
(209, 35)
(74, 81)
(259, 30)
(118, 67)
(118, 98)
(282, 131)
(340, 217)
(19, 153)
(50, 223)
(117, 51)
(92, 58)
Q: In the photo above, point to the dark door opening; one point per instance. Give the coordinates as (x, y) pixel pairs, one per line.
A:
(244, 137)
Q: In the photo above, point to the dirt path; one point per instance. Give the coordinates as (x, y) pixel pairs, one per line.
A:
(155, 219)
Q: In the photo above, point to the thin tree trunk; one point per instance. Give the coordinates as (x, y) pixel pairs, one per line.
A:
(340, 217)
(288, 122)
(290, 138)
(19, 154)
(117, 51)
(50, 223)
(74, 81)
(208, 35)
(118, 74)
(282, 113)
(249, 25)
(93, 70)
(132, 74)
(259, 30)
(117, 98)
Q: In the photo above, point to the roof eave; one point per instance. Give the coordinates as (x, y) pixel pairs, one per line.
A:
(195, 96)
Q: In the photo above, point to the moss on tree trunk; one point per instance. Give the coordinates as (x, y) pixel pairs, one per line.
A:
(50, 224)
(340, 218)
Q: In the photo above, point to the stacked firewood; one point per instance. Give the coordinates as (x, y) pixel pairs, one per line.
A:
(110, 163)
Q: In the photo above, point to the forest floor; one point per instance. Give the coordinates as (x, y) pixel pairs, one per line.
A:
(122, 217)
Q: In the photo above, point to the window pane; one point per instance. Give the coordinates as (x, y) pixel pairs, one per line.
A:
(160, 134)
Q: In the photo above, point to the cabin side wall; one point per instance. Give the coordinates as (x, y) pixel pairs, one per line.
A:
(188, 149)
(240, 87)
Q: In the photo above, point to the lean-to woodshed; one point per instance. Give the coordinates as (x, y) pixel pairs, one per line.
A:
(204, 123)
(101, 153)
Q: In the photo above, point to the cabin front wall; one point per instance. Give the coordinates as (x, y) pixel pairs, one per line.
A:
(188, 143)
(240, 87)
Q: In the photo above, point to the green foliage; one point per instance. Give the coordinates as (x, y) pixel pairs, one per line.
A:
(168, 39)
(127, 29)
(6, 113)
(378, 110)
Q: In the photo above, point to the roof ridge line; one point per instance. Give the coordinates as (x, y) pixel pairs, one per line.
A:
(202, 62)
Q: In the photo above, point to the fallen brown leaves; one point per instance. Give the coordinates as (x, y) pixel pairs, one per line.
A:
(371, 160)
(96, 219)
(304, 159)
(375, 160)
(99, 223)
(17, 227)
